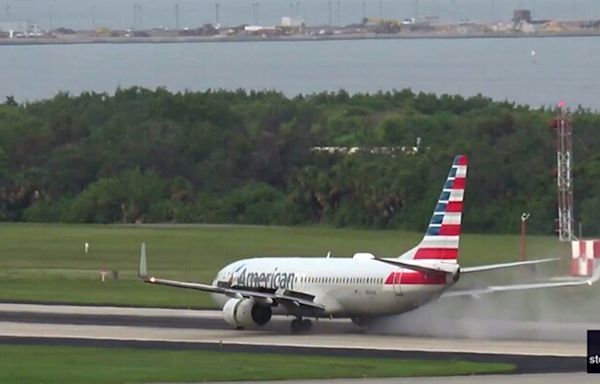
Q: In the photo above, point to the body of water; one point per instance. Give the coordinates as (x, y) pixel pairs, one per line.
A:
(88, 14)
(504, 69)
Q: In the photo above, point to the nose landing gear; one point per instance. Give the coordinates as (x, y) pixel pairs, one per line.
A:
(300, 325)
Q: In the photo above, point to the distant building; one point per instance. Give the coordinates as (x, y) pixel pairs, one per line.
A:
(522, 15)
(19, 28)
(288, 21)
(388, 151)
(253, 28)
(258, 30)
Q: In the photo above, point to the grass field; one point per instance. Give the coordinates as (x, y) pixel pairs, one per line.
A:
(48, 262)
(44, 364)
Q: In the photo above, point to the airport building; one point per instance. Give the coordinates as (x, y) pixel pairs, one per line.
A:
(18, 28)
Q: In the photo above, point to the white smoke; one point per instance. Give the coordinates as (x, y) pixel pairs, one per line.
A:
(563, 314)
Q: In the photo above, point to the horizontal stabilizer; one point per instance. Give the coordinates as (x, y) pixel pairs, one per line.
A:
(521, 287)
(421, 267)
(489, 267)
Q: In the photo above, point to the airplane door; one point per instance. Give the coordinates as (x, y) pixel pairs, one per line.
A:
(397, 282)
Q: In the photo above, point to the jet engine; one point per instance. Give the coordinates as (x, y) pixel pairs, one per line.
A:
(246, 313)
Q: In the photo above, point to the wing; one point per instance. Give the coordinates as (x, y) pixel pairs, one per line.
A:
(521, 287)
(284, 297)
(489, 267)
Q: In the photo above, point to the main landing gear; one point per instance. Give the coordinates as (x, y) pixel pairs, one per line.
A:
(300, 325)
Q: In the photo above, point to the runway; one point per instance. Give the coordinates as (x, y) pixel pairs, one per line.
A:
(176, 325)
(206, 330)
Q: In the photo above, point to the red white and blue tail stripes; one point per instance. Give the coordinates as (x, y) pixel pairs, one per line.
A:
(443, 233)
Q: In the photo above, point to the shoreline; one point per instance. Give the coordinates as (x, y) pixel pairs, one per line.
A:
(289, 38)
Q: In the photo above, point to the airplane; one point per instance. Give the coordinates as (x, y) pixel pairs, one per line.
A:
(362, 288)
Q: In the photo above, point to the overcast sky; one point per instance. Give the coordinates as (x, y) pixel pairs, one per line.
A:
(83, 14)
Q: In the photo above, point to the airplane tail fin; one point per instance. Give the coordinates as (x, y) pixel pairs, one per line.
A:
(443, 233)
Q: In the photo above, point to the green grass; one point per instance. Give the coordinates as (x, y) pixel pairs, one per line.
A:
(47, 262)
(45, 364)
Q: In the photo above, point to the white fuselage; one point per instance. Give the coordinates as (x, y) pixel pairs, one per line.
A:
(346, 287)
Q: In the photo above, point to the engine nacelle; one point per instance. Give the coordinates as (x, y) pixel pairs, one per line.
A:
(246, 313)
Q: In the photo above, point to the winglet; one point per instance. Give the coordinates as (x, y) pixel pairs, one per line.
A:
(143, 269)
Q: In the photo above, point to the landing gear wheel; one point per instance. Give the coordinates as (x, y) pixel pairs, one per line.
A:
(307, 324)
(300, 326)
(296, 326)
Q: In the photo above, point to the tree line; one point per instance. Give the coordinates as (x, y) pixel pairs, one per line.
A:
(263, 158)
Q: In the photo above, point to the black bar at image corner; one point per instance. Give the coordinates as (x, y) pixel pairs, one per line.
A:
(593, 348)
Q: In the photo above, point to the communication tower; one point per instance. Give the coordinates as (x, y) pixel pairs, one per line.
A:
(564, 176)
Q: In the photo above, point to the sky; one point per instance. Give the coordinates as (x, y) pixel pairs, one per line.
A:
(87, 14)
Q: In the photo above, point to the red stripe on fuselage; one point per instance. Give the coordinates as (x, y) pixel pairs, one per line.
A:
(390, 278)
(437, 253)
(416, 278)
